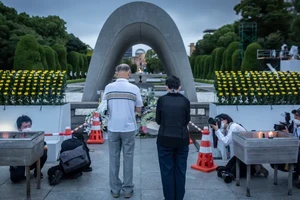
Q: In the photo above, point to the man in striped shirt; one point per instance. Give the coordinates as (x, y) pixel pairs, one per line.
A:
(123, 100)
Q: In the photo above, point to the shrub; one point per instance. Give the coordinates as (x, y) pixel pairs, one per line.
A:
(197, 67)
(85, 65)
(192, 60)
(212, 64)
(202, 67)
(50, 57)
(228, 59)
(57, 64)
(62, 55)
(69, 71)
(73, 59)
(27, 54)
(43, 57)
(250, 61)
(236, 65)
(206, 66)
(218, 58)
(223, 61)
(133, 68)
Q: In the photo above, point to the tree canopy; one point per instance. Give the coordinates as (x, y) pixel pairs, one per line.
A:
(48, 31)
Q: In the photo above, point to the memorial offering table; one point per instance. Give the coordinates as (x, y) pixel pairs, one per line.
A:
(265, 147)
(22, 149)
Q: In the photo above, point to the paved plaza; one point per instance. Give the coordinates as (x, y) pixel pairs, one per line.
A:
(95, 185)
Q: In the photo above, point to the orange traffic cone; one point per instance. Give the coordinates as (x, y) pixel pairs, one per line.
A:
(205, 162)
(96, 133)
(68, 131)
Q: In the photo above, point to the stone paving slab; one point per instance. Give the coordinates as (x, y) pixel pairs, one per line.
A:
(95, 185)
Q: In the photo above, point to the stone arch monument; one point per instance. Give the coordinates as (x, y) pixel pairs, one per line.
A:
(136, 23)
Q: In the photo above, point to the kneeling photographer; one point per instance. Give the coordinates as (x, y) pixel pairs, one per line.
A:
(294, 129)
(224, 128)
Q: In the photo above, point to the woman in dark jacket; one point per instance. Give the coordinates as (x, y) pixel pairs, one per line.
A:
(173, 116)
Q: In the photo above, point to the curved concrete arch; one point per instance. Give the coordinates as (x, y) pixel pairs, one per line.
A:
(135, 23)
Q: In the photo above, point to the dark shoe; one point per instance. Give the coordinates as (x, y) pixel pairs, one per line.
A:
(114, 195)
(127, 196)
(88, 169)
(57, 176)
(35, 175)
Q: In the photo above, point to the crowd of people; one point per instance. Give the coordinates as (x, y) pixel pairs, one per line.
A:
(123, 101)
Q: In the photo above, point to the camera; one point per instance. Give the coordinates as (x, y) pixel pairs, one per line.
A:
(282, 125)
(228, 177)
(214, 121)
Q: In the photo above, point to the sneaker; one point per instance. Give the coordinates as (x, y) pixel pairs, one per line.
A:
(127, 196)
(114, 195)
(57, 176)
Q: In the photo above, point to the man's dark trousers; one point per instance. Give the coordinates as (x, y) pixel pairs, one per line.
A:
(173, 163)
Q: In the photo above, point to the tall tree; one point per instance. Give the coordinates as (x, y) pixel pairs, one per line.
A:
(270, 15)
(75, 44)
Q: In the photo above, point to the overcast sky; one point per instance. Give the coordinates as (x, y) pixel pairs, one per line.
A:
(85, 18)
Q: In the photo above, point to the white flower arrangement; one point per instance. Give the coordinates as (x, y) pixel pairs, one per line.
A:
(148, 113)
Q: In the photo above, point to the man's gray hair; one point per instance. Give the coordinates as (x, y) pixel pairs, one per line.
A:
(123, 67)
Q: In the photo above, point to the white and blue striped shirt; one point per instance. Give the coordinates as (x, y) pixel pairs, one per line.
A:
(122, 98)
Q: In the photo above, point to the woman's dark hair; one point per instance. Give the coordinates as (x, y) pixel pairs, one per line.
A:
(21, 119)
(173, 82)
(225, 117)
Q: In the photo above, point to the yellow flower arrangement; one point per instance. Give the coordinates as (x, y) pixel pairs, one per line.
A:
(26, 87)
(259, 88)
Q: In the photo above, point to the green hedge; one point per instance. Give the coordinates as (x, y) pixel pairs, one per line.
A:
(236, 65)
(57, 64)
(228, 59)
(211, 74)
(250, 61)
(223, 68)
(27, 54)
(73, 59)
(43, 57)
(218, 58)
(50, 57)
(61, 55)
(85, 65)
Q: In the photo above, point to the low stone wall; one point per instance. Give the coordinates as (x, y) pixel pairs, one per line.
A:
(79, 111)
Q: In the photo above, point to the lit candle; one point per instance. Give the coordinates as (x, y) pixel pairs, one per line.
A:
(270, 134)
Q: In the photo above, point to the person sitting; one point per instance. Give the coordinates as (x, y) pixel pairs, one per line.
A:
(56, 173)
(228, 127)
(17, 173)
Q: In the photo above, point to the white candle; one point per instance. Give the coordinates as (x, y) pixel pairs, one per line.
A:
(270, 134)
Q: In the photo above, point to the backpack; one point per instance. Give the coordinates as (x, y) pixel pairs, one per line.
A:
(75, 159)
